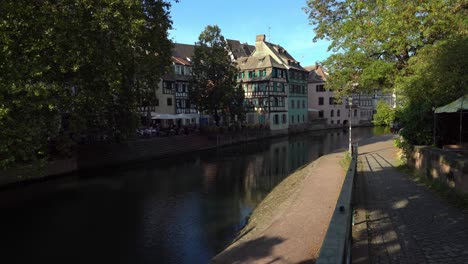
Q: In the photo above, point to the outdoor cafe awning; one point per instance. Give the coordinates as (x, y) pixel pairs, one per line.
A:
(455, 106)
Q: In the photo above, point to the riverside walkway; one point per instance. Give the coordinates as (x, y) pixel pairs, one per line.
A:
(399, 220)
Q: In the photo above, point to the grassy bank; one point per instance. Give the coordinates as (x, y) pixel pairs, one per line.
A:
(274, 203)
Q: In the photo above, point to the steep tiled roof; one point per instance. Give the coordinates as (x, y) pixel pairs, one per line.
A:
(181, 61)
(183, 50)
(311, 67)
(284, 55)
(255, 62)
(238, 49)
(316, 73)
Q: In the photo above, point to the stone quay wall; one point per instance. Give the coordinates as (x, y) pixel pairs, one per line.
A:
(446, 166)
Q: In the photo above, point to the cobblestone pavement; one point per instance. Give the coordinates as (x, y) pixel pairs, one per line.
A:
(400, 221)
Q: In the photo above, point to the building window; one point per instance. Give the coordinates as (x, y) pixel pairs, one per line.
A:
(321, 113)
(331, 122)
(169, 101)
(320, 101)
(276, 119)
(168, 87)
(292, 104)
(292, 119)
(330, 100)
(355, 112)
(303, 118)
(338, 113)
(298, 104)
(284, 118)
(298, 119)
(332, 113)
(320, 88)
(338, 122)
(303, 104)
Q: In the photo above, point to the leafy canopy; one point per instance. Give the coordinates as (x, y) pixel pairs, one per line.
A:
(384, 115)
(213, 86)
(375, 39)
(415, 48)
(72, 69)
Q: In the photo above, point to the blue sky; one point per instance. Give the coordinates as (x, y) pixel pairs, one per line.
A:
(283, 22)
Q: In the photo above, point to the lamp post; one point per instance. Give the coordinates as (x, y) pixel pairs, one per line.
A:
(350, 103)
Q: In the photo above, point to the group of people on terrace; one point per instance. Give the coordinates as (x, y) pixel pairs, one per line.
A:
(155, 130)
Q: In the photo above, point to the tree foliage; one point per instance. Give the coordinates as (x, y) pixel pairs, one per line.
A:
(416, 48)
(384, 115)
(435, 77)
(76, 68)
(375, 39)
(213, 86)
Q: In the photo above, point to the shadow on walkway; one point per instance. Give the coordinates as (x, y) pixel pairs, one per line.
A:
(251, 251)
(400, 221)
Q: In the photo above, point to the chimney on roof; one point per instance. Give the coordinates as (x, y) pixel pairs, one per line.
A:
(260, 38)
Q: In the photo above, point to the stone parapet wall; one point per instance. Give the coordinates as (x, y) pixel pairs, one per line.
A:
(446, 166)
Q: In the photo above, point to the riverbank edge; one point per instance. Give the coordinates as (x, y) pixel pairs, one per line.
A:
(60, 168)
(276, 207)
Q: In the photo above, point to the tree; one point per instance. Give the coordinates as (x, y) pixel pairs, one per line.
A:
(213, 87)
(407, 47)
(375, 39)
(436, 76)
(76, 68)
(384, 115)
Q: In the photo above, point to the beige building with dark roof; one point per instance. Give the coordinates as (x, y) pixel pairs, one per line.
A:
(296, 77)
(322, 103)
(265, 85)
(173, 90)
(275, 85)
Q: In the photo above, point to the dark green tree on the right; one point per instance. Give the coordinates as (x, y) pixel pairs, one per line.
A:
(416, 48)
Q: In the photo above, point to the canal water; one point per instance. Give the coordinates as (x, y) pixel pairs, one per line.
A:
(184, 209)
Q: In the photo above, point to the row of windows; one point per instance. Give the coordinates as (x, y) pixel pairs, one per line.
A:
(183, 103)
(263, 87)
(332, 113)
(298, 104)
(276, 73)
(294, 119)
(180, 103)
(366, 113)
(182, 70)
(298, 120)
(338, 113)
(320, 88)
(180, 87)
(337, 121)
(276, 119)
(331, 101)
(298, 89)
(295, 75)
(264, 102)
